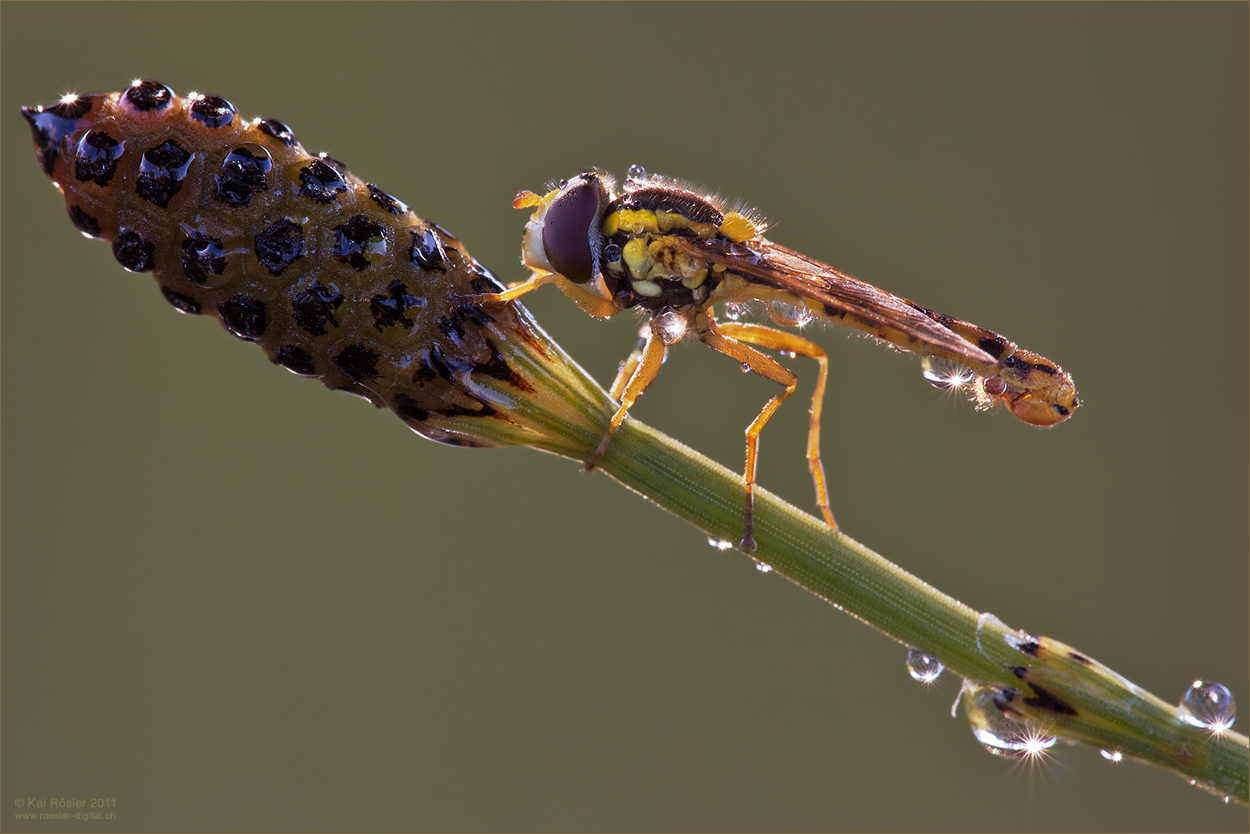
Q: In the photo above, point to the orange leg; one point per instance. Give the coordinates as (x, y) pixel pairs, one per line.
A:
(591, 302)
(515, 290)
(642, 366)
(630, 365)
(733, 340)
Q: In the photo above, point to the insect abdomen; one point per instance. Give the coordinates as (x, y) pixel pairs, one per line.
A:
(331, 276)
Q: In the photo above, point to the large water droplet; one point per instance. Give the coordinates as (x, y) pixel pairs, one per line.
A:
(672, 326)
(636, 172)
(789, 315)
(1209, 705)
(734, 310)
(945, 375)
(998, 733)
(923, 667)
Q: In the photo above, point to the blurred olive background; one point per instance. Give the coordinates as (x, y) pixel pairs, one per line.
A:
(233, 600)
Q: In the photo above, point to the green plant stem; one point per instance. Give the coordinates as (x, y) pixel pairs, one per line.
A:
(1050, 679)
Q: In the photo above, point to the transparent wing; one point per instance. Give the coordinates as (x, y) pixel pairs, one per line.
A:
(850, 301)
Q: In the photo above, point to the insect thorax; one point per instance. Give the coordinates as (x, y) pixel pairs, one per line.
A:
(644, 262)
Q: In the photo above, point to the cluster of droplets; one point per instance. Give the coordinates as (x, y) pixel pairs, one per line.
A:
(997, 731)
(1209, 705)
(922, 667)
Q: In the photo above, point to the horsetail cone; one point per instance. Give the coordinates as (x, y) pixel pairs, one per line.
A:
(334, 278)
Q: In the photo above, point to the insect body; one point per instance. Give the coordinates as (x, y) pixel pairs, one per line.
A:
(663, 247)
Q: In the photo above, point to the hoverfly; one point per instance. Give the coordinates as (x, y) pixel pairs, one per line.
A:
(664, 247)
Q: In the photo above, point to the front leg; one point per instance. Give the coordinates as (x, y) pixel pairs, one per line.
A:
(591, 302)
(645, 365)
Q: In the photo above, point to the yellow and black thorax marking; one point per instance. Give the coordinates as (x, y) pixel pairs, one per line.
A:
(644, 262)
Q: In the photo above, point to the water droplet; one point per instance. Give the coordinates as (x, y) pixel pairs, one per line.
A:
(720, 544)
(923, 667)
(763, 568)
(734, 310)
(789, 315)
(945, 375)
(672, 326)
(1209, 705)
(998, 733)
(1112, 755)
(636, 172)
(746, 369)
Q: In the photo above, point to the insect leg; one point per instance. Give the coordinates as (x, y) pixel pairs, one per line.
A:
(767, 337)
(593, 303)
(630, 365)
(514, 291)
(768, 368)
(645, 368)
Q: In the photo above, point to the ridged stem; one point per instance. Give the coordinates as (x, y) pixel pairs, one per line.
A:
(1056, 688)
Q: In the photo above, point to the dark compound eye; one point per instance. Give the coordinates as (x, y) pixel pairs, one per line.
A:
(162, 171)
(569, 225)
(278, 130)
(242, 175)
(96, 157)
(212, 111)
(148, 96)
